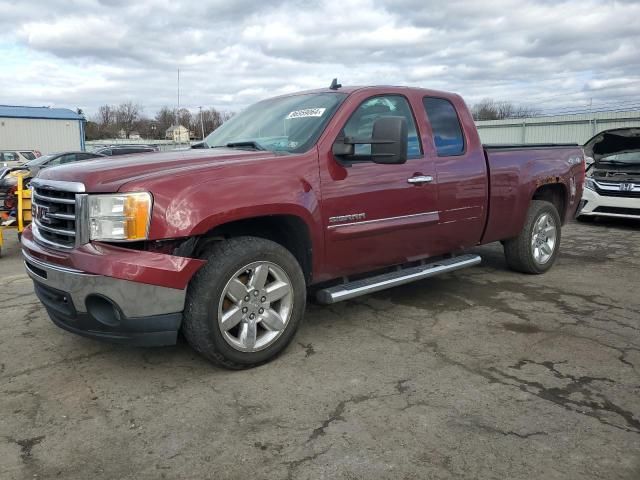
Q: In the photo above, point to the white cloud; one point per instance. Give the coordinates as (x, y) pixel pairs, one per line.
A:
(89, 52)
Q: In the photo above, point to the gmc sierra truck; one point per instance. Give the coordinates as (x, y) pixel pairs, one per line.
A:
(345, 190)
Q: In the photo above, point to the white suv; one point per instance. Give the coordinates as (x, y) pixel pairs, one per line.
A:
(613, 179)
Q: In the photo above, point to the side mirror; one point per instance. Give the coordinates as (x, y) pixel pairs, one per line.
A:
(388, 142)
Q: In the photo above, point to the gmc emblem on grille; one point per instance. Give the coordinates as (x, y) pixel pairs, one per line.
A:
(626, 187)
(42, 214)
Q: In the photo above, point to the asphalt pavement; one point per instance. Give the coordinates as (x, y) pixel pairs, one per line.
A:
(479, 374)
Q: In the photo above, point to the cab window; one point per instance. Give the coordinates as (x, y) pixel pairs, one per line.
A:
(447, 131)
(68, 158)
(360, 125)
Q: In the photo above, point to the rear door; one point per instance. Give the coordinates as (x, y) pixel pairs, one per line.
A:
(376, 215)
(462, 185)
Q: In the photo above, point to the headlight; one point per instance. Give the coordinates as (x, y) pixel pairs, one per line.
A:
(120, 217)
(590, 183)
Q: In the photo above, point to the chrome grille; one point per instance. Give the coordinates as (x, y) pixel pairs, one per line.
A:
(614, 189)
(55, 212)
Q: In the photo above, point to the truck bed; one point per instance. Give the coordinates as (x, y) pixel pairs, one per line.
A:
(522, 146)
(516, 172)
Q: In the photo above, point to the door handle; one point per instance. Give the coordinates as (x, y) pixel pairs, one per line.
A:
(420, 179)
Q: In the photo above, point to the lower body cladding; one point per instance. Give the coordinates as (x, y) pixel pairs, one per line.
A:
(106, 308)
(593, 205)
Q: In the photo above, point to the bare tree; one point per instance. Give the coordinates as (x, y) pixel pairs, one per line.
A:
(211, 119)
(109, 120)
(127, 116)
(146, 127)
(489, 109)
(92, 131)
(105, 121)
(184, 117)
(163, 120)
(106, 115)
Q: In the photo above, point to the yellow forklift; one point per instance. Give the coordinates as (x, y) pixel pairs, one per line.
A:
(15, 202)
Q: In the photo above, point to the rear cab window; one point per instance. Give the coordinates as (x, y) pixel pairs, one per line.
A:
(448, 137)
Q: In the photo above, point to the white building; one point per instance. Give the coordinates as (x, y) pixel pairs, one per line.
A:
(554, 129)
(177, 133)
(40, 128)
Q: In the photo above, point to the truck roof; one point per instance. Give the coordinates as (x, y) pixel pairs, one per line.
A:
(375, 89)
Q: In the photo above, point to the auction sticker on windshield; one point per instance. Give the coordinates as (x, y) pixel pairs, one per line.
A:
(307, 112)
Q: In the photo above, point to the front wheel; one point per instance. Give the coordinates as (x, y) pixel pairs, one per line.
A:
(536, 248)
(245, 305)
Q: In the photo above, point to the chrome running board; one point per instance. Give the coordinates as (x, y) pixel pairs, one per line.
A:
(346, 291)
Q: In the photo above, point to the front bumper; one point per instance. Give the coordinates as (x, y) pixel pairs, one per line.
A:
(107, 308)
(594, 204)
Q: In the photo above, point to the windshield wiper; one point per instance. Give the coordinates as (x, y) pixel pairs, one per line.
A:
(248, 143)
(618, 162)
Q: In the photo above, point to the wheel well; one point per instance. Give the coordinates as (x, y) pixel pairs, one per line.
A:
(555, 194)
(288, 230)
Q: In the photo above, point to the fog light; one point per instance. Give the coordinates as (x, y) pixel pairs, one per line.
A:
(103, 310)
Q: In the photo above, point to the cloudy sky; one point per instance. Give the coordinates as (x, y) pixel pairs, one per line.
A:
(556, 55)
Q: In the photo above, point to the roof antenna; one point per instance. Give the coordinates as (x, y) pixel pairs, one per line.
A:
(335, 85)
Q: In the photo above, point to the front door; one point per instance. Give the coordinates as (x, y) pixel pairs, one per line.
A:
(377, 215)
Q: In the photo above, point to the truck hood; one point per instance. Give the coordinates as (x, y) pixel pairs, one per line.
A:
(611, 142)
(110, 174)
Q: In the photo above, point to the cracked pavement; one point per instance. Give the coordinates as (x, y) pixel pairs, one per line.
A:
(480, 374)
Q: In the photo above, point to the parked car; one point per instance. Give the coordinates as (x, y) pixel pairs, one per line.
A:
(12, 158)
(112, 150)
(28, 170)
(613, 177)
(346, 190)
(59, 158)
(30, 154)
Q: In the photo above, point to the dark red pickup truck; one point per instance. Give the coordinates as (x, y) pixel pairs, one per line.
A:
(348, 190)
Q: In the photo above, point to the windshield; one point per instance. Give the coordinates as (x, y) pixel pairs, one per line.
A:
(285, 124)
(39, 161)
(626, 158)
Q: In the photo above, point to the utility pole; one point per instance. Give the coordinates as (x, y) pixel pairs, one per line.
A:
(178, 109)
(201, 123)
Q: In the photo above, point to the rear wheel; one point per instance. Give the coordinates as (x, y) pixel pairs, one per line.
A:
(245, 305)
(536, 248)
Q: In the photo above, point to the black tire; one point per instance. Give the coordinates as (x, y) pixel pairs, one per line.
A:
(224, 259)
(519, 252)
